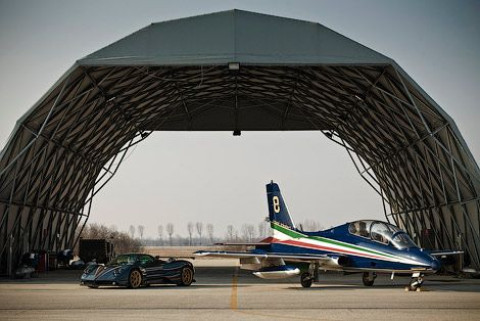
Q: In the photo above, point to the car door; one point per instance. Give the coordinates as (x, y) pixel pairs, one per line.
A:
(147, 262)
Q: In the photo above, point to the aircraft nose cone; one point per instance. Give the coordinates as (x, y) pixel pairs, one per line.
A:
(435, 265)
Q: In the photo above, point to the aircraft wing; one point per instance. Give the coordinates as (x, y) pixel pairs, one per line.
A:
(270, 255)
(243, 243)
(264, 242)
(445, 253)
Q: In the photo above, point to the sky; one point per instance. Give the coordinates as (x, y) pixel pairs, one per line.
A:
(215, 177)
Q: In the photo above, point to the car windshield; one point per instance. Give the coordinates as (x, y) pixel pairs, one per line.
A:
(123, 260)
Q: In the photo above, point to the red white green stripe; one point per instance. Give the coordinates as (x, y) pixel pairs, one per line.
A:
(284, 235)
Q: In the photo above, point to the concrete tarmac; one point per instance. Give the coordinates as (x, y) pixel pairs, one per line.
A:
(226, 293)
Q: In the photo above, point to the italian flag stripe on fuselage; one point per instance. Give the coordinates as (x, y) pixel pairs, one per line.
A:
(287, 236)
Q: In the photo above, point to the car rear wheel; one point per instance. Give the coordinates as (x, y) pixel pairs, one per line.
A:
(135, 279)
(186, 276)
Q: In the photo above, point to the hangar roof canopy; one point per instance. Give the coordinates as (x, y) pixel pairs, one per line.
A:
(234, 36)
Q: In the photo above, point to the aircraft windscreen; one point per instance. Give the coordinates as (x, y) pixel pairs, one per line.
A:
(382, 232)
(402, 240)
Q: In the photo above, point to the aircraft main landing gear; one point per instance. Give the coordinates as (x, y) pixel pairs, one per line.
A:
(368, 278)
(313, 275)
(306, 280)
(415, 283)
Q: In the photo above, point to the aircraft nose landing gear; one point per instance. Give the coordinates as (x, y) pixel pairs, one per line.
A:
(415, 283)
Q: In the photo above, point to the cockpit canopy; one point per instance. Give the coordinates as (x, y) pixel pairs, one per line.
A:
(382, 232)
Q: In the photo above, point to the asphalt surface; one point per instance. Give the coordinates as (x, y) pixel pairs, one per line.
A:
(225, 293)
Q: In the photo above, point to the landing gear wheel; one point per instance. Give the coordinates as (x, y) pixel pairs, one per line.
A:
(368, 278)
(306, 280)
(186, 276)
(415, 284)
(135, 279)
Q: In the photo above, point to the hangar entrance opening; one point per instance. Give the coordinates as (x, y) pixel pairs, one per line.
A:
(236, 71)
(217, 178)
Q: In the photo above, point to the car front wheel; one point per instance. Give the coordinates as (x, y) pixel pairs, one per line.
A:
(135, 279)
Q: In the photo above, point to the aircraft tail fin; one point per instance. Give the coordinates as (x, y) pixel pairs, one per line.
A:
(278, 211)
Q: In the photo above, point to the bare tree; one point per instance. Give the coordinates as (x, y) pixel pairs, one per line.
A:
(235, 235)
(170, 231)
(97, 231)
(131, 229)
(160, 234)
(248, 232)
(244, 232)
(251, 232)
(210, 232)
(262, 229)
(311, 225)
(140, 230)
(230, 232)
(190, 232)
(199, 226)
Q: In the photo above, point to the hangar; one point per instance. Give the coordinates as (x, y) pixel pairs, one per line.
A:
(236, 71)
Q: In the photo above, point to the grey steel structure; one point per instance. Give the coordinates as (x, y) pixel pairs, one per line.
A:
(234, 71)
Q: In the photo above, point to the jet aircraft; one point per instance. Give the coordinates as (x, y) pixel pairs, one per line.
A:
(365, 246)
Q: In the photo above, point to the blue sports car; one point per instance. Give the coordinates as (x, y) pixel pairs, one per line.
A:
(136, 270)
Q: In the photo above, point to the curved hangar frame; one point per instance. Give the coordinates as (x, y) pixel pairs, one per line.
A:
(234, 71)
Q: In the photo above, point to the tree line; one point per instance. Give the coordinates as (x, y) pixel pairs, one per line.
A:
(133, 241)
(199, 233)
